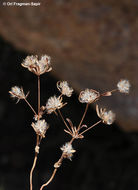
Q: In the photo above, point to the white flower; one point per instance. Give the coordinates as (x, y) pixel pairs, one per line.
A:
(107, 117)
(29, 61)
(54, 103)
(68, 150)
(64, 88)
(36, 66)
(123, 86)
(44, 64)
(17, 92)
(40, 127)
(88, 96)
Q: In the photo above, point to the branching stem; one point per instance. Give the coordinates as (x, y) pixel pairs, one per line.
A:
(30, 106)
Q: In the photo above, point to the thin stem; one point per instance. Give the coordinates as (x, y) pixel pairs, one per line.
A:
(38, 95)
(49, 181)
(30, 106)
(90, 127)
(34, 163)
(114, 90)
(55, 170)
(84, 114)
(64, 120)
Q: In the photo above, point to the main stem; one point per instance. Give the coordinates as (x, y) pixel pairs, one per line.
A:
(38, 95)
(34, 163)
(37, 139)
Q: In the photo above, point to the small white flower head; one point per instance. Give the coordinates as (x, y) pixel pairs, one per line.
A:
(54, 103)
(68, 150)
(18, 93)
(107, 117)
(88, 96)
(40, 127)
(44, 64)
(36, 66)
(123, 86)
(29, 61)
(64, 88)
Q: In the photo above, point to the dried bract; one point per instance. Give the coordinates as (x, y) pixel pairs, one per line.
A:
(36, 66)
(17, 92)
(40, 127)
(88, 96)
(68, 150)
(54, 103)
(64, 88)
(123, 86)
(107, 117)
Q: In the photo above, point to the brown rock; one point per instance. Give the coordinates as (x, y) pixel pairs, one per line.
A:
(92, 44)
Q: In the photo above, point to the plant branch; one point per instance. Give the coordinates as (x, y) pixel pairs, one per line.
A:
(90, 127)
(84, 114)
(51, 178)
(34, 163)
(55, 170)
(30, 106)
(64, 121)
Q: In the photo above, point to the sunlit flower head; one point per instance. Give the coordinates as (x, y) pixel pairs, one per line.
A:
(64, 88)
(54, 103)
(17, 92)
(40, 127)
(68, 150)
(36, 66)
(107, 117)
(123, 86)
(88, 96)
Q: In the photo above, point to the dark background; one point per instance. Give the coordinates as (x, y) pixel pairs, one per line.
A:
(106, 159)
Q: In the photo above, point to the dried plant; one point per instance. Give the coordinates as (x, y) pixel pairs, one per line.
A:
(54, 104)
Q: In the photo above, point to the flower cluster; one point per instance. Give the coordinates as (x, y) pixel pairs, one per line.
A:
(68, 150)
(107, 117)
(36, 66)
(88, 96)
(123, 86)
(53, 104)
(64, 88)
(17, 92)
(40, 127)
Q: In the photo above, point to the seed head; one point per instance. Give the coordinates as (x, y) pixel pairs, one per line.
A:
(36, 66)
(54, 103)
(123, 86)
(17, 92)
(88, 96)
(68, 150)
(107, 117)
(40, 127)
(64, 88)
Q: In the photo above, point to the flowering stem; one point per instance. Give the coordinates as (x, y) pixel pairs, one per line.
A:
(64, 120)
(114, 90)
(51, 178)
(34, 163)
(30, 106)
(90, 127)
(87, 105)
(55, 170)
(38, 95)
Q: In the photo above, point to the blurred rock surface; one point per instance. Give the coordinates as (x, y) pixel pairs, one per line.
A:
(92, 44)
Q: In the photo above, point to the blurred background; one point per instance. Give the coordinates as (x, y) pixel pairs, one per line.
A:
(93, 44)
